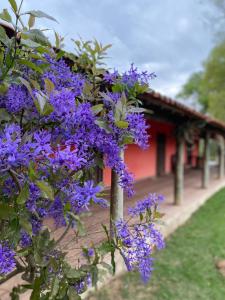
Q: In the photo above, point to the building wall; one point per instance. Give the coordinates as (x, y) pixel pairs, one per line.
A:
(142, 163)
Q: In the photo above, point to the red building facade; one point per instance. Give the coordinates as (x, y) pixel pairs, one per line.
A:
(159, 158)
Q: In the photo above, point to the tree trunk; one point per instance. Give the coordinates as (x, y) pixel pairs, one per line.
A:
(116, 199)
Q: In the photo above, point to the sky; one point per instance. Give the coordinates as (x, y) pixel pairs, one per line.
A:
(169, 37)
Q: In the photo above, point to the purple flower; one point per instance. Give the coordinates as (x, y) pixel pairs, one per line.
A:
(139, 129)
(62, 76)
(81, 285)
(143, 205)
(25, 239)
(136, 244)
(88, 252)
(7, 259)
(17, 99)
(111, 77)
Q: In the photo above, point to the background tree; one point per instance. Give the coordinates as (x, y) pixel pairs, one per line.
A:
(207, 86)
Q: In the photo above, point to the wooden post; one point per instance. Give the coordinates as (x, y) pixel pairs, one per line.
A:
(221, 157)
(206, 154)
(117, 198)
(179, 171)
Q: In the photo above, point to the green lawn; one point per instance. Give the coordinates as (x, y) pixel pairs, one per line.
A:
(186, 269)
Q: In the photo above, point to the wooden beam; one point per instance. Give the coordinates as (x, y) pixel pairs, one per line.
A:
(116, 198)
(206, 154)
(221, 157)
(179, 171)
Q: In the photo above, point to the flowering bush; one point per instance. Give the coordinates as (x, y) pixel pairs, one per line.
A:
(62, 117)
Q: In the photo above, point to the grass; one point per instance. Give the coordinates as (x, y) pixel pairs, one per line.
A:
(186, 269)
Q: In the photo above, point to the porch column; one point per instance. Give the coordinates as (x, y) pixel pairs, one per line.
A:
(179, 171)
(116, 197)
(206, 154)
(221, 157)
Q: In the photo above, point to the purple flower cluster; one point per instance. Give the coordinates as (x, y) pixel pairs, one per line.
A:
(136, 246)
(62, 77)
(111, 77)
(25, 239)
(7, 259)
(132, 76)
(65, 157)
(136, 242)
(18, 99)
(149, 202)
(139, 129)
(81, 285)
(129, 78)
(10, 140)
(79, 198)
(88, 252)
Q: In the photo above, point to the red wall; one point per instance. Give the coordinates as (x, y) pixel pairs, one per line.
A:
(142, 163)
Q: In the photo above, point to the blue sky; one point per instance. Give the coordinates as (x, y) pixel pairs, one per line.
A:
(169, 37)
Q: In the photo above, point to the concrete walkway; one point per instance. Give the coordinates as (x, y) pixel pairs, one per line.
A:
(175, 216)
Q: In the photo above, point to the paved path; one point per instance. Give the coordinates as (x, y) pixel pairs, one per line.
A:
(175, 216)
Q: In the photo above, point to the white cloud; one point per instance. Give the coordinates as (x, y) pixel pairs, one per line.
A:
(165, 36)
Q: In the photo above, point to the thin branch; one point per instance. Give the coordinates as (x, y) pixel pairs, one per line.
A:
(14, 177)
(63, 235)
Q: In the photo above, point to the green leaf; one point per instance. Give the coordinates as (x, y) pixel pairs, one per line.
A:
(113, 263)
(46, 189)
(137, 110)
(40, 14)
(94, 275)
(104, 248)
(97, 108)
(128, 139)
(31, 172)
(79, 225)
(107, 266)
(122, 124)
(55, 287)
(23, 195)
(48, 109)
(36, 289)
(3, 36)
(27, 85)
(30, 64)
(103, 125)
(29, 43)
(5, 16)
(31, 21)
(13, 5)
(49, 86)
(4, 115)
(3, 88)
(24, 223)
(74, 274)
(6, 211)
(43, 107)
(72, 295)
(37, 36)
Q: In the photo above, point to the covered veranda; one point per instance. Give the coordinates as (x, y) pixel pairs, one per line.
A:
(175, 215)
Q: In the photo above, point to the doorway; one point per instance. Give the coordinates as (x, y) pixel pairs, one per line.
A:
(161, 151)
